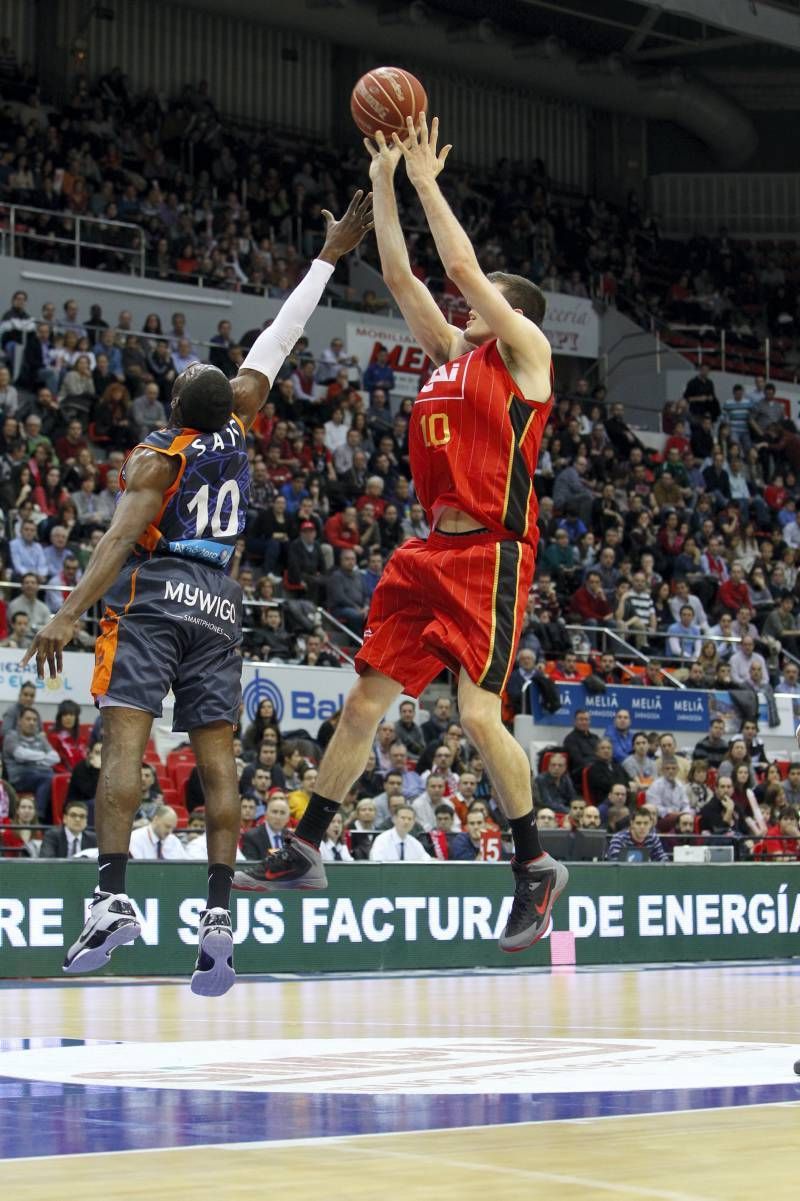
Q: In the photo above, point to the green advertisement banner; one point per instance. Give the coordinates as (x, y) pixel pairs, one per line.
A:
(402, 916)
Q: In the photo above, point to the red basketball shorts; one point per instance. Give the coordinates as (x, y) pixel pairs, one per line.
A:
(455, 601)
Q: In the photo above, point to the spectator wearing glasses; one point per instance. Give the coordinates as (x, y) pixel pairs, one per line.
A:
(71, 837)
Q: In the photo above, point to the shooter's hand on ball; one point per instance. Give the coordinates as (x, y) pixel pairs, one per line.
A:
(343, 236)
(419, 150)
(384, 156)
(48, 645)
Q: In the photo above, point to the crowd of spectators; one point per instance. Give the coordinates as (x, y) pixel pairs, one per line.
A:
(664, 569)
(687, 556)
(650, 796)
(424, 795)
(241, 209)
(653, 568)
(331, 492)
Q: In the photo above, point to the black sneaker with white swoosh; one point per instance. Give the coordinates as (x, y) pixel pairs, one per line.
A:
(111, 923)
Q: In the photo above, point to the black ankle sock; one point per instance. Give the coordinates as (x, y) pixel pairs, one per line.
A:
(111, 872)
(316, 819)
(220, 879)
(526, 837)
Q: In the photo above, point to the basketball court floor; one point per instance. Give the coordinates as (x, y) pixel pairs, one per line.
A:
(674, 1084)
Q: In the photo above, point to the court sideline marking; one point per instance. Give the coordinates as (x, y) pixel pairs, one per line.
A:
(344, 1143)
(495, 1169)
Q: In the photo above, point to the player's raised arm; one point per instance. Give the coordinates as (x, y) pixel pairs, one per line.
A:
(265, 358)
(149, 475)
(524, 337)
(440, 341)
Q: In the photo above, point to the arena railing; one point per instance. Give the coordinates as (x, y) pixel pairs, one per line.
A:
(606, 638)
(87, 236)
(663, 636)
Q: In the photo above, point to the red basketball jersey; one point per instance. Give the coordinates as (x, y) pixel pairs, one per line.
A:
(474, 444)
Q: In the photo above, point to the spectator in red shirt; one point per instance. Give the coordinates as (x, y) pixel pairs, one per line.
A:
(783, 839)
(21, 812)
(653, 676)
(373, 495)
(51, 493)
(589, 602)
(341, 530)
(315, 456)
(672, 535)
(678, 440)
(775, 494)
(734, 593)
(567, 669)
(68, 445)
(65, 736)
(278, 472)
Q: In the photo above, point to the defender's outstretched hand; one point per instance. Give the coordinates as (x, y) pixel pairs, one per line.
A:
(419, 150)
(344, 235)
(384, 156)
(48, 645)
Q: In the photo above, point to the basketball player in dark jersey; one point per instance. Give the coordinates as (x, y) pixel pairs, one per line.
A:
(172, 616)
(456, 600)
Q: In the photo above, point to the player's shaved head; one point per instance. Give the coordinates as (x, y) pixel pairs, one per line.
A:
(521, 294)
(202, 398)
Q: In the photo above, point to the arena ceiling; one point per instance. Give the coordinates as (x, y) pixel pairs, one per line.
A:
(747, 48)
(663, 31)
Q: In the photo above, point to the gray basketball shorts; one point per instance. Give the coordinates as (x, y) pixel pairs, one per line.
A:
(174, 623)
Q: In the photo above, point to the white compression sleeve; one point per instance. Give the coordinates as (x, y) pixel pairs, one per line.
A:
(271, 347)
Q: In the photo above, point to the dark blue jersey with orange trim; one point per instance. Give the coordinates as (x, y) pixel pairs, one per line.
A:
(474, 444)
(204, 511)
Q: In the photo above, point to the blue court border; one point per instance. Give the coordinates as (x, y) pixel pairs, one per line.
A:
(68, 1119)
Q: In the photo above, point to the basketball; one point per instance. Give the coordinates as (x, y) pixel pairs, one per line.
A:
(384, 98)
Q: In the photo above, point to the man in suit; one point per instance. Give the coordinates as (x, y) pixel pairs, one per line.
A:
(257, 843)
(71, 837)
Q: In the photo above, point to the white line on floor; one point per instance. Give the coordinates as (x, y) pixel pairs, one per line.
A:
(617, 1188)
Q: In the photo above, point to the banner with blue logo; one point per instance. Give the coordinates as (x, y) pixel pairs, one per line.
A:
(679, 710)
(303, 697)
(650, 708)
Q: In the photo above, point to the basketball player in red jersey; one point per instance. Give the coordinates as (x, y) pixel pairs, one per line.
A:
(172, 617)
(456, 600)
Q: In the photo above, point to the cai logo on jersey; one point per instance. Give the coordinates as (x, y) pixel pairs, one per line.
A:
(448, 373)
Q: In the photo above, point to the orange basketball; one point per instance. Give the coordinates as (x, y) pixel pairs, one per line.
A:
(384, 98)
